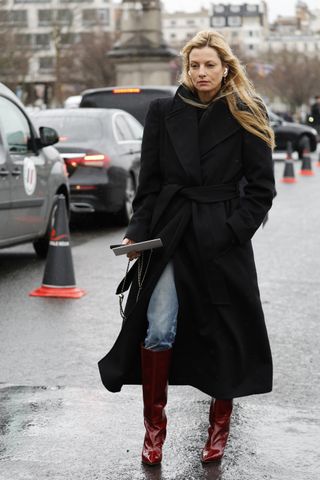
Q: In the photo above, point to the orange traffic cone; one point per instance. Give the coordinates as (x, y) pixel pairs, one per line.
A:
(288, 173)
(58, 279)
(306, 168)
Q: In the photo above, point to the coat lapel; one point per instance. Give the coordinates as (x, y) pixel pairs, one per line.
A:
(216, 125)
(182, 126)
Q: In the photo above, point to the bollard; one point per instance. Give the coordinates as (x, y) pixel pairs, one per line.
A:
(288, 173)
(306, 168)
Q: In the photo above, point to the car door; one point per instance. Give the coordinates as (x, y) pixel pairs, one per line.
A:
(5, 192)
(28, 172)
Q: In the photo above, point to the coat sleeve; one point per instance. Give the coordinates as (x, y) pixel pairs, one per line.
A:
(259, 190)
(149, 178)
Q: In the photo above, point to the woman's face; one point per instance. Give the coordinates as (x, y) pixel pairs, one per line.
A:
(206, 72)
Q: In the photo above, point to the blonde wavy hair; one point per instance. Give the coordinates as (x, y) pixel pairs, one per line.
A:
(244, 103)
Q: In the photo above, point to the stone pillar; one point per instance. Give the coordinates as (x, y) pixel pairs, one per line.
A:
(141, 56)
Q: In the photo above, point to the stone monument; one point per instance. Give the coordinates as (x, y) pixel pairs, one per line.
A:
(141, 56)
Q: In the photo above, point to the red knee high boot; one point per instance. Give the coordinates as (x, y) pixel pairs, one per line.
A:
(219, 418)
(155, 371)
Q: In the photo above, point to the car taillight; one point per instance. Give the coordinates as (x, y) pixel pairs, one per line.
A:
(96, 160)
(90, 160)
(126, 90)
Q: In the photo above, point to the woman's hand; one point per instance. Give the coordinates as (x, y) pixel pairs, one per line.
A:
(130, 255)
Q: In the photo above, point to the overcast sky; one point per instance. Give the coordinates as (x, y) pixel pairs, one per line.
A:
(275, 7)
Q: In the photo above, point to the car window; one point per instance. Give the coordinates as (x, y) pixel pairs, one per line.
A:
(123, 131)
(274, 117)
(16, 129)
(135, 103)
(72, 128)
(135, 127)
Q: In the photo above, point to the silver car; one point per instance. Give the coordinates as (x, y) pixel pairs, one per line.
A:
(32, 175)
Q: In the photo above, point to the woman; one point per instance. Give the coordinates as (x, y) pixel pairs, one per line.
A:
(197, 317)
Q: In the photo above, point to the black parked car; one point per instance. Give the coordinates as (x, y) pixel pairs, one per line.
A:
(32, 175)
(299, 135)
(137, 99)
(101, 148)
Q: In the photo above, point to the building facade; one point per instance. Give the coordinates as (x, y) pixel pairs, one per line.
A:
(179, 27)
(245, 26)
(42, 29)
(298, 33)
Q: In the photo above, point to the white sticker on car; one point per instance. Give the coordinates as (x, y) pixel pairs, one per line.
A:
(29, 176)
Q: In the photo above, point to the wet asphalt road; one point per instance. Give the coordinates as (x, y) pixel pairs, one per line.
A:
(58, 422)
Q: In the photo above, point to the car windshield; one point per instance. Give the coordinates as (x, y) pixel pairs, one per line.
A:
(72, 128)
(135, 103)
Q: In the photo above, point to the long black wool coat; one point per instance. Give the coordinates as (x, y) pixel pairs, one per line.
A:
(189, 196)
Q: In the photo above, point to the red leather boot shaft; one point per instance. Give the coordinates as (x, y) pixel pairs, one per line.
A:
(219, 418)
(155, 371)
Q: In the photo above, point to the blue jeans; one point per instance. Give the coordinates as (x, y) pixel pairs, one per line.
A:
(162, 312)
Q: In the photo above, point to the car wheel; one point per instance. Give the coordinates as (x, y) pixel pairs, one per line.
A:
(41, 245)
(123, 216)
(303, 143)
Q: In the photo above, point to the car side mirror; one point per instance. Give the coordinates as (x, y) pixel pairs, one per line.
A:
(48, 136)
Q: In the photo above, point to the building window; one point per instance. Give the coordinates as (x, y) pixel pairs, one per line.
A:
(41, 40)
(190, 22)
(173, 35)
(92, 17)
(23, 40)
(76, 1)
(218, 22)
(251, 8)
(250, 33)
(46, 63)
(251, 47)
(173, 22)
(48, 17)
(103, 16)
(14, 17)
(219, 8)
(19, 17)
(67, 39)
(45, 17)
(235, 8)
(64, 16)
(4, 16)
(234, 21)
(32, 1)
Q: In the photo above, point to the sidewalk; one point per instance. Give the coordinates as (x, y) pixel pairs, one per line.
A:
(79, 434)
